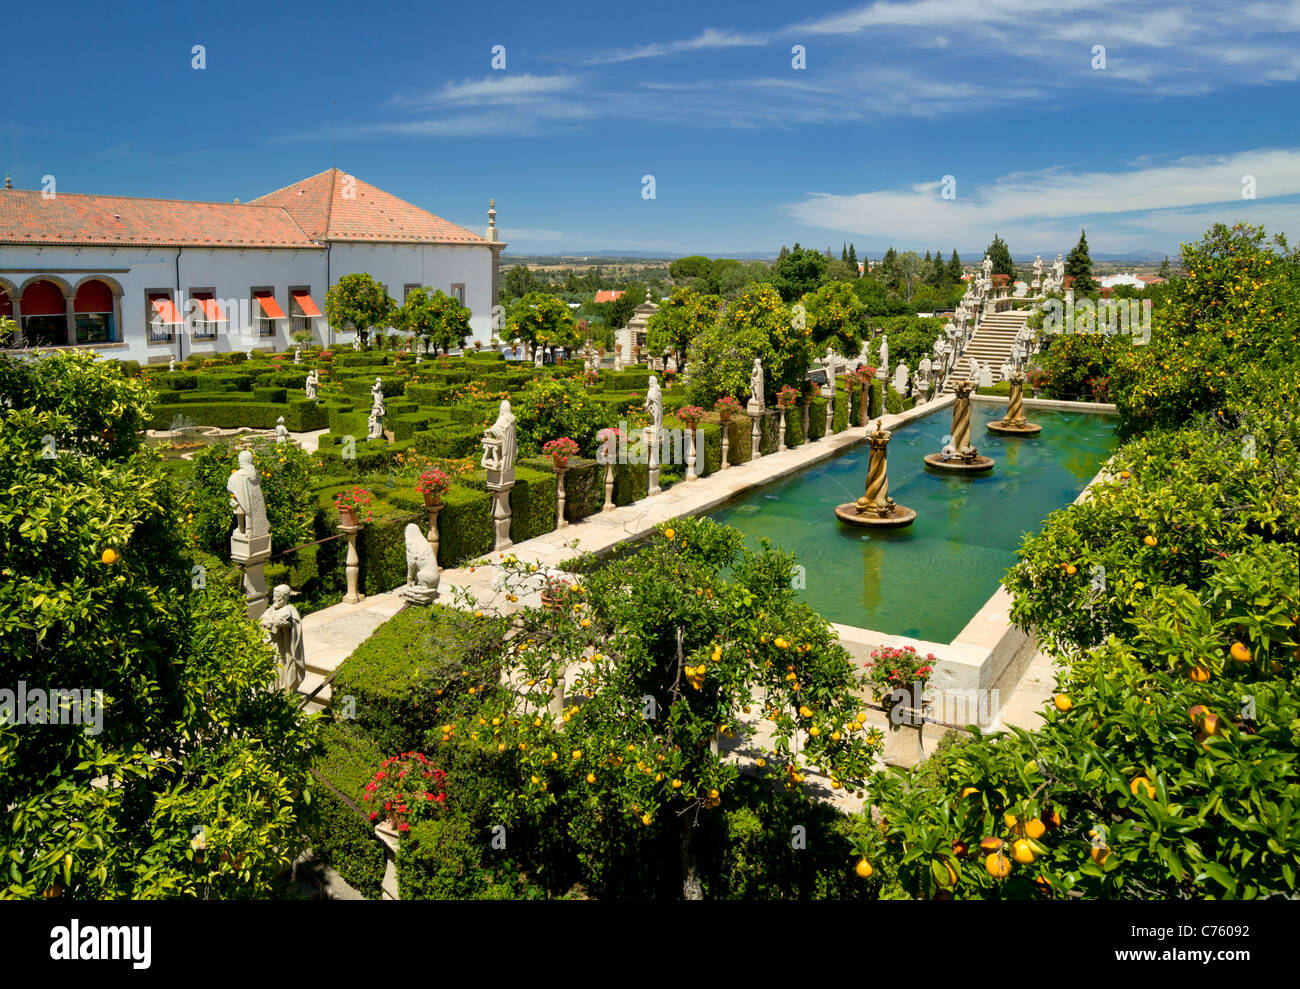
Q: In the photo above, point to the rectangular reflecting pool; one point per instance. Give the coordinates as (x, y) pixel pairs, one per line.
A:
(929, 579)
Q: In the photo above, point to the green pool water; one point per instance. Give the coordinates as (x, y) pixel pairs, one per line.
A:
(927, 580)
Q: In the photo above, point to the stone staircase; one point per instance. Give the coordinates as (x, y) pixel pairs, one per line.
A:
(990, 344)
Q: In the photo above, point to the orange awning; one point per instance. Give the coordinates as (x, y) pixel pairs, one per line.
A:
(211, 310)
(269, 305)
(164, 307)
(306, 304)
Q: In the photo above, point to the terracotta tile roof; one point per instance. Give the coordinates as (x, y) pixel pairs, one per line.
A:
(301, 215)
(336, 206)
(608, 294)
(70, 218)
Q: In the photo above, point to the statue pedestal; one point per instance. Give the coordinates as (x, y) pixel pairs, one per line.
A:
(501, 513)
(560, 520)
(780, 438)
(690, 456)
(353, 567)
(652, 440)
(726, 444)
(609, 505)
(756, 412)
(904, 746)
(250, 555)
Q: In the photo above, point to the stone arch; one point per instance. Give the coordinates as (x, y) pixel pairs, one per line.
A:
(113, 284)
(64, 285)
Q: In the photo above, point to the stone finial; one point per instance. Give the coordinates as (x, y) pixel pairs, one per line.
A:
(9, 182)
(492, 233)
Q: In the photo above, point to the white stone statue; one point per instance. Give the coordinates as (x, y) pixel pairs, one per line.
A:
(500, 445)
(421, 567)
(377, 398)
(672, 363)
(356, 341)
(171, 363)
(756, 385)
(538, 357)
(281, 432)
(884, 352)
(654, 402)
(246, 501)
(829, 361)
(313, 380)
(1058, 272)
(924, 368)
(1038, 269)
(1006, 369)
(283, 627)
(376, 425)
(987, 266)
(900, 379)
(986, 376)
(297, 355)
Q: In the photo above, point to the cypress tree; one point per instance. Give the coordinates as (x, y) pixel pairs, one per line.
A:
(1078, 265)
(954, 268)
(1000, 255)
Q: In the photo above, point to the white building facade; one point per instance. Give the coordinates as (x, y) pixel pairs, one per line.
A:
(149, 280)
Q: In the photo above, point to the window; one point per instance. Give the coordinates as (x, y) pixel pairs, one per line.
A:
(93, 310)
(302, 310)
(161, 313)
(407, 289)
(266, 311)
(458, 292)
(209, 316)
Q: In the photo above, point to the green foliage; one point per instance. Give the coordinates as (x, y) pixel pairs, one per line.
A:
(679, 320)
(340, 837)
(1000, 255)
(835, 317)
(192, 733)
(286, 473)
(358, 302)
(758, 324)
(418, 659)
(542, 320)
(1225, 339)
(798, 273)
(555, 407)
(436, 318)
(1080, 365)
(1078, 265)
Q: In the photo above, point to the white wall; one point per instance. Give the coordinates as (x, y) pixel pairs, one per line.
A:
(232, 272)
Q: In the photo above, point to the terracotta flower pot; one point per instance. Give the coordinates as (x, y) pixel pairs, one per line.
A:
(348, 516)
(431, 499)
(561, 461)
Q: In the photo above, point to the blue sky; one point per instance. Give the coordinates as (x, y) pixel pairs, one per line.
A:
(747, 151)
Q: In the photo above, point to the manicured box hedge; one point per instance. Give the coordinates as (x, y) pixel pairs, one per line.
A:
(227, 415)
(277, 395)
(339, 837)
(360, 358)
(840, 419)
(448, 440)
(741, 433)
(303, 415)
(465, 529)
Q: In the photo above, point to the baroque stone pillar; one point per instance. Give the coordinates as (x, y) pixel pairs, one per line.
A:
(353, 566)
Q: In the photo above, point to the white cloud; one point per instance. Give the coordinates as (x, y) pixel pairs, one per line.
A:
(709, 38)
(1140, 205)
(496, 89)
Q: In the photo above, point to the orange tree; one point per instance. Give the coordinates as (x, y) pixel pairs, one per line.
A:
(668, 664)
(1167, 763)
(1220, 333)
(193, 778)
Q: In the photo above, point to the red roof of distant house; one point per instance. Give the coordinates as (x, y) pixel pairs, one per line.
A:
(336, 206)
(1151, 279)
(328, 206)
(609, 294)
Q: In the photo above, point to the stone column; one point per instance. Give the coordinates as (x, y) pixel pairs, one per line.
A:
(1016, 410)
(609, 505)
(780, 436)
(560, 520)
(353, 568)
(433, 541)
(806, 406)
(690, 455)
(70, 301)
(961, 418)
(501, 513)
(653, 487)
(726, 443)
